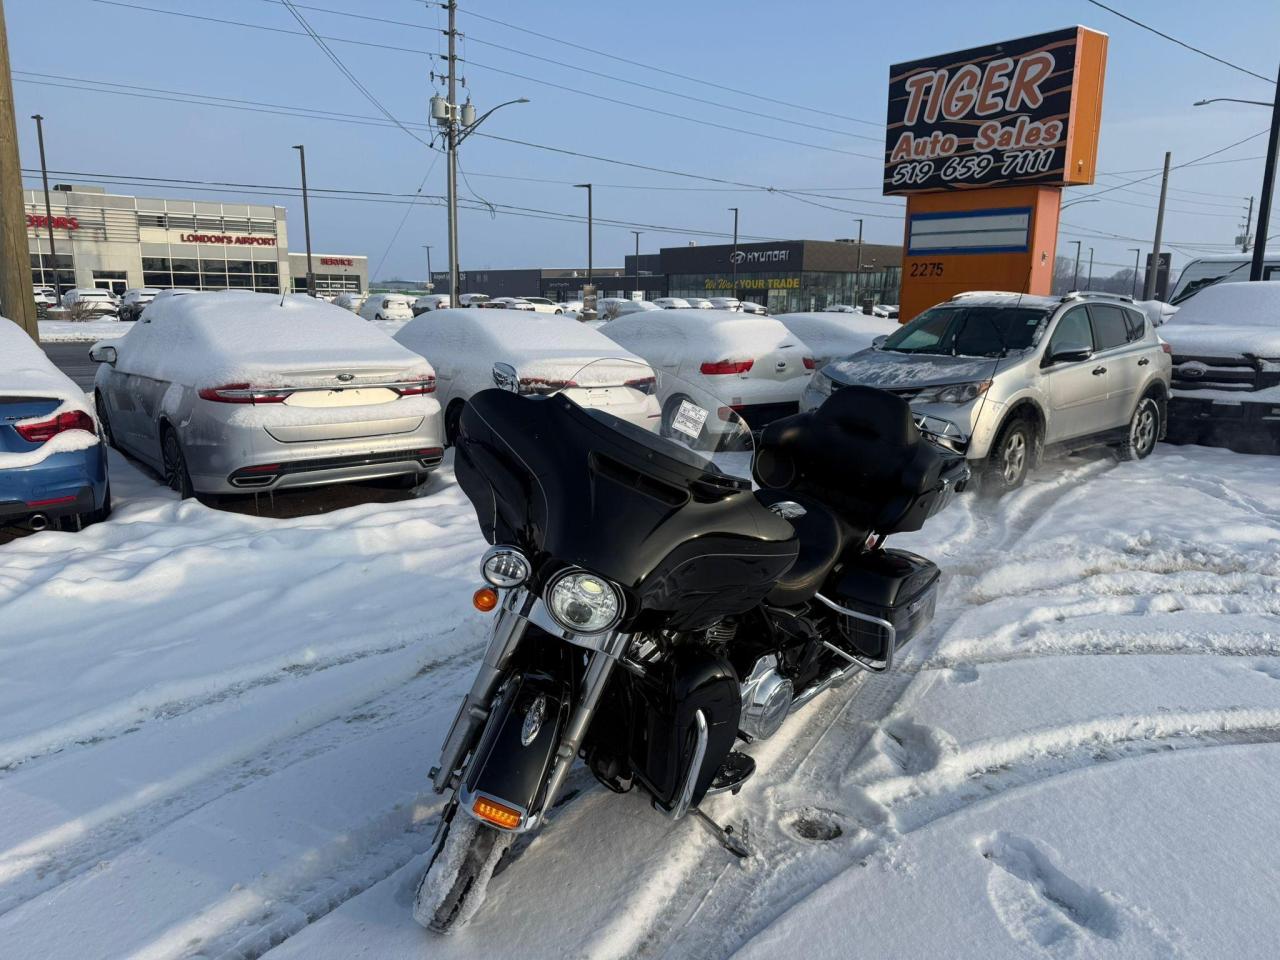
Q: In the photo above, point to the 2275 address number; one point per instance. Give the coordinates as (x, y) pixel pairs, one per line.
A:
(930, 268)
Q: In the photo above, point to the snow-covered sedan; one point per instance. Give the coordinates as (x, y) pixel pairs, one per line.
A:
(135, 300)
(474, 350)
(753, 364)
(387, 306)
(510, 303)
(84, 302)
(830, 335)
(1226, 366)
(671, 303)
(53, 466)
(609, 307)
(236, 392)
(544, 305)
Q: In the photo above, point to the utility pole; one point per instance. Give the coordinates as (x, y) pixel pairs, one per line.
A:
(857, 280)
(590, 224)
(430, 282)
(451, 137)
(1089, 282)
(16, 301)
(48, 207)
(1248, 225)
(306, 219)
(1149, 289)
(1075, 277)
(1268, 187)
(1137, 254)
(734, 258)
(637, 233)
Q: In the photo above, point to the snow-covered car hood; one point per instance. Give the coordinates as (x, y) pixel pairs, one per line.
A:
(1204, 340)
(884, 368)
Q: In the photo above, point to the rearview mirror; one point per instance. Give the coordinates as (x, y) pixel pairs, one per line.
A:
(103, 353)
(878, 342)
(1068, 355)
(505, 377)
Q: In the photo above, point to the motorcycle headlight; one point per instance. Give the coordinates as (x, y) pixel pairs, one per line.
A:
(954, 393)
(584, 603)
(504, 567)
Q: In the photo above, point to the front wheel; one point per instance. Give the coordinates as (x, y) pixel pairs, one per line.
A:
(1010, 458)
(454, 886)
(1144, 430)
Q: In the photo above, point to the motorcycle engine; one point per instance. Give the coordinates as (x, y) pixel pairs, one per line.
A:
(766, 699)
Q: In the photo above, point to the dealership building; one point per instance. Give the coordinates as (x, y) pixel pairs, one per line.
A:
(784, 275)
(117, 242)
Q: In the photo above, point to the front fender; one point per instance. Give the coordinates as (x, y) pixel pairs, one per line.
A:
(518, 746)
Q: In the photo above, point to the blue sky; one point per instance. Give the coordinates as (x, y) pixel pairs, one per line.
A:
(829, 55)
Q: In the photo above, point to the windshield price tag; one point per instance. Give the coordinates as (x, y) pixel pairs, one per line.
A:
(689, 419)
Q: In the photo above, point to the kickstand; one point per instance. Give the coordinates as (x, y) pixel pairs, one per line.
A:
(735, 844)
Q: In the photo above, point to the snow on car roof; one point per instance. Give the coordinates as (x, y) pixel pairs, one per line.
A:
(25, 371)
(225, 337)
(717, 330)
(523, 334)
(1232, 304)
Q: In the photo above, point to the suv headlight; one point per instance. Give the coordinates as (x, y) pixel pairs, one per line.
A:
(821, 384)
(504, 567)
(581, 602)
(953, 392)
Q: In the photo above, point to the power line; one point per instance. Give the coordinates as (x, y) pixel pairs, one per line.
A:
(671, 73)
(1179, 166)
(579, 68)
(407, 210)
(1211, 163)
(493, 69)
(308, 113)
(1183, 44)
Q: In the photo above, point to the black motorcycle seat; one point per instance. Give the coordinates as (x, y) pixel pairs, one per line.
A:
(860, 452)
(822, 536)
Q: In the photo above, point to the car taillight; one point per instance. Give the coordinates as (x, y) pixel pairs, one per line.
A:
(1166, 347)
(646, 385)
(810, 363)
(244, 393)
(543, 386)
(417, 389)
(727, 366)
(48, 429)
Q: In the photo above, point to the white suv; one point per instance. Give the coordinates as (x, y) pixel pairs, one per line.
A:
(999, 377)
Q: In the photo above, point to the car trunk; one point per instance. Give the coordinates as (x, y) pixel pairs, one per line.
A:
(322, 399)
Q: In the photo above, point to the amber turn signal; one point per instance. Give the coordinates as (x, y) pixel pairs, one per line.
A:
(485, 599)
(498, 814)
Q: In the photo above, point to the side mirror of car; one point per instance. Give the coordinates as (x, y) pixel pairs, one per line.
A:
(1067, 355)
(505, 377)
(103, 353)
(878, 342)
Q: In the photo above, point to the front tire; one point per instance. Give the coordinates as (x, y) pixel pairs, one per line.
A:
(457, 877)
(1009, 461)
(1144, 431)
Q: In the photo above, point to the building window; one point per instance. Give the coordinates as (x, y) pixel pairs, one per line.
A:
(46, 273)
(184, 221)
(151, 220)
(262, 226)
(209, 223)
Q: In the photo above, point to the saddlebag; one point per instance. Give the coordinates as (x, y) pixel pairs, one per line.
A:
(892, 585)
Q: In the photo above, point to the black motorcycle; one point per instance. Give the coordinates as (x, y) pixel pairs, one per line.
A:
(655, 608)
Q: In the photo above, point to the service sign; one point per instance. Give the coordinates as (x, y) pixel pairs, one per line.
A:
(1015, 113)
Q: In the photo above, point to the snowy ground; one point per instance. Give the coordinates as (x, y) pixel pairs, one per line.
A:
(215, 730)
(89, 331)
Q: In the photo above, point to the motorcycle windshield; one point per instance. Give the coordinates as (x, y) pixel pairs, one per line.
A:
(671, 416)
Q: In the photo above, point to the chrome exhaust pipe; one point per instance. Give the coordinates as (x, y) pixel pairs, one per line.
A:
(38, 522)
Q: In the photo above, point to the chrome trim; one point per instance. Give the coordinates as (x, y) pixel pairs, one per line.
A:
(508, 628)
(610, 642)
(597, 677)
(757, 691)
(875, 666)
(467, 799)
(685, 797)
(574, 571)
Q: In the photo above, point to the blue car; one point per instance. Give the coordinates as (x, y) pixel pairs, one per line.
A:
(53, 463)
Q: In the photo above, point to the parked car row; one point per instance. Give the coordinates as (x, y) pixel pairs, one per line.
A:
(233, 392)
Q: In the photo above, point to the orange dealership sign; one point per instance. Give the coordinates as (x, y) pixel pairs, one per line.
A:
(1019, 113)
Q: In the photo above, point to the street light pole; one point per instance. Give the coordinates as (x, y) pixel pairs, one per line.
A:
(1149, 289)
(1089, 282)
(1075, 277)
(1137, 254)
(48, 207)
(430, 282)
(306, 219)
(734, 258)
(857, 279)
(590, 225)
(1268, 186)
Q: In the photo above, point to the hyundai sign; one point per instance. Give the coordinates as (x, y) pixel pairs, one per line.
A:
(1021, 112)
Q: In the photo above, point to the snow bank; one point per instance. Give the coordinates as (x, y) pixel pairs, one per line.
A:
(65, 331)
(208, 339)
